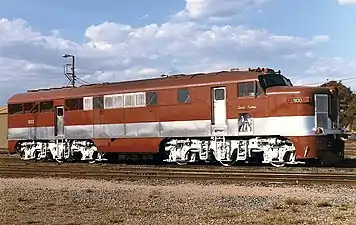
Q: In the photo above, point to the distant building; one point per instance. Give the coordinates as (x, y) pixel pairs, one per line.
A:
(3, 127)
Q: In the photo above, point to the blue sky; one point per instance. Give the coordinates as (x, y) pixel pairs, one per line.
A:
(73, 17)
(128, 39)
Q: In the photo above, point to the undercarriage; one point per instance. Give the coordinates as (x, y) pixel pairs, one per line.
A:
(276, 151)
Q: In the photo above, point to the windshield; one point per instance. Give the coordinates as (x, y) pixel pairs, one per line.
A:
(271, 80)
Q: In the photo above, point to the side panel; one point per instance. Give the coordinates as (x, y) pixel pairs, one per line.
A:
(78, 124)
(280, 106)
(248, 110)
(129, 145)
(108, 123)
(45, 125)
(24, 126)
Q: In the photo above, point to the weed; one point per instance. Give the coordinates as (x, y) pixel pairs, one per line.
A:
(324, 204)
(295, 201)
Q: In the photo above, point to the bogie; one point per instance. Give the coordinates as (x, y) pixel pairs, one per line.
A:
(276, 151)
(59, 150)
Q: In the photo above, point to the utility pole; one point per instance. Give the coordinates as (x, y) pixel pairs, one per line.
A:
(70, 75)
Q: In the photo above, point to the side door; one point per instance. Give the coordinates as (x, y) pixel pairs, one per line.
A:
(219, 114)
(59, 121)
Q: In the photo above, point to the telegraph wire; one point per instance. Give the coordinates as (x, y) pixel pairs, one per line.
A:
(82, 80)
(328, 80)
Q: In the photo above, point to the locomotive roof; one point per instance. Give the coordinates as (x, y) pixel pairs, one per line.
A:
(131, 86)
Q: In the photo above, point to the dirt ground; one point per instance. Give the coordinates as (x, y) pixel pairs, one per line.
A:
(74, 202)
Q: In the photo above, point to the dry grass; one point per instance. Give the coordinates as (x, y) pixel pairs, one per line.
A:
(96, 202)
(296, 201)
(224, 214)
(324, 204)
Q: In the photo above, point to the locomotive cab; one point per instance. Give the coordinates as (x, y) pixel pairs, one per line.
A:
(308, 116)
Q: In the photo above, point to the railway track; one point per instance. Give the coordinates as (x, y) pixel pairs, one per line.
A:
(181, 174)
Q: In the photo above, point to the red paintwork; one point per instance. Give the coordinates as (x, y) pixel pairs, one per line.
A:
(129, 145)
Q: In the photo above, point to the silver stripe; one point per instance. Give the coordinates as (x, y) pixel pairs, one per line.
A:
(285, 126)
(78, 132)
(142, 130)
(106, 130)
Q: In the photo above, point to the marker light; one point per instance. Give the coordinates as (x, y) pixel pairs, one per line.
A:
(318, 130)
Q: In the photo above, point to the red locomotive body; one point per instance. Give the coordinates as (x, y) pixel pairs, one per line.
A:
(225, 116)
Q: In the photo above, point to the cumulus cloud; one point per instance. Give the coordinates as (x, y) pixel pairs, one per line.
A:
(336, 68)
(196, 9)
(114, 51)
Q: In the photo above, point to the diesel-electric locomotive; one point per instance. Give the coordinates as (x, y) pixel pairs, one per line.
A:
(255, 115)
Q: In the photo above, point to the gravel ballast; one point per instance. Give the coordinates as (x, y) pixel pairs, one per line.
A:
(70, 201)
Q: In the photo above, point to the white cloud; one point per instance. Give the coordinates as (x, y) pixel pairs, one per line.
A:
(114, 51)
(319, 70)
(336, 68)
(216, 8)
(346, 2)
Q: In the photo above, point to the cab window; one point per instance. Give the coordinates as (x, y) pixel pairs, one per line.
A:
(46, 106)
(15, 109)
(74, 104)
(30, 107)
(246, 89)
(183, 95)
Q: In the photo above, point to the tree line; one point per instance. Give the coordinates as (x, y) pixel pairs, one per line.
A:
(347, 104)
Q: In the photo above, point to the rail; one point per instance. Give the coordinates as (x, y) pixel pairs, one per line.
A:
(180, 173)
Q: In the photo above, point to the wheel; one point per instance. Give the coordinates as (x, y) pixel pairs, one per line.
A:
(188, 157)
(230, 162)
(182, 163)
(227, 163)
(278, 164)
(59, 160)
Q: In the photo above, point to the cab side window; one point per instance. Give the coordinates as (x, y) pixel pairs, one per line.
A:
(246, 89)
(183, 95)
(15, 109)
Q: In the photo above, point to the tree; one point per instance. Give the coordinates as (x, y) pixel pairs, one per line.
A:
(347, 103)
(350, 114)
